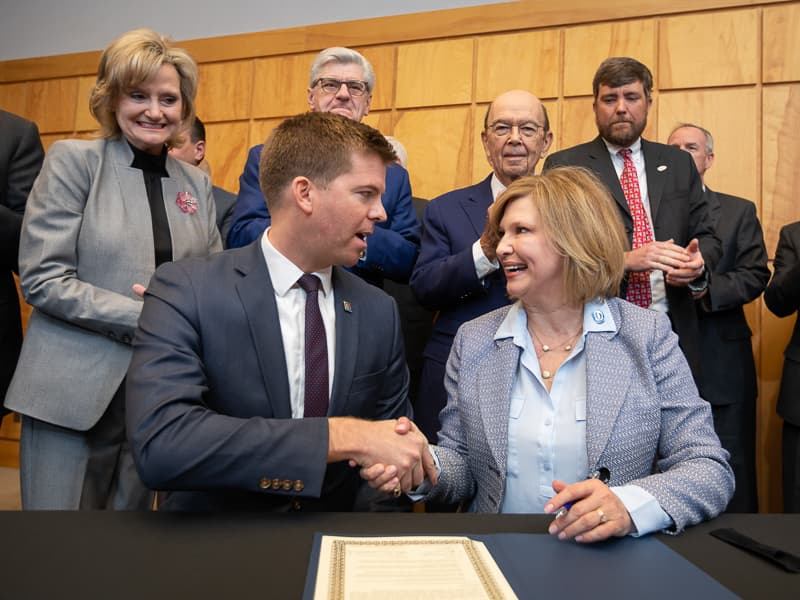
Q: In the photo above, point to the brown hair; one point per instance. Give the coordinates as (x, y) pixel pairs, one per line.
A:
(578, 215)
(316, 145)
(622, 70)
(130, 60)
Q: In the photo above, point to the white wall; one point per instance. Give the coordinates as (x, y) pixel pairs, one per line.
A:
(30, 28)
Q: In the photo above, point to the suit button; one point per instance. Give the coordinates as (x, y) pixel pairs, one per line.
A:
(298, 486)
(264, 483)
(286, 485)
(296, 505)
(276, 484)
(126, 339)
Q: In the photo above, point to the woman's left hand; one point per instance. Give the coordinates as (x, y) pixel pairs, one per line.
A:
(596, 513)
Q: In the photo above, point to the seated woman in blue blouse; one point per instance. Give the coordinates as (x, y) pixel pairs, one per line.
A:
(572, 380)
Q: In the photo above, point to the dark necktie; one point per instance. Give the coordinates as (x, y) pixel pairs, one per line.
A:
(639, 291)
(316, 399)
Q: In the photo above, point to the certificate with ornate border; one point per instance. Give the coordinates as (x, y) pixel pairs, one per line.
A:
(352, 568)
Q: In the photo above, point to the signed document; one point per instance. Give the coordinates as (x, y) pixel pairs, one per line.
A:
(381, 568)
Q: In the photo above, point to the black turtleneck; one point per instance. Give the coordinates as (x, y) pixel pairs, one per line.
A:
(153, 167)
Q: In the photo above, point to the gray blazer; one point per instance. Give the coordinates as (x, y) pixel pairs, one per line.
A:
(645, 420)
(87, 237)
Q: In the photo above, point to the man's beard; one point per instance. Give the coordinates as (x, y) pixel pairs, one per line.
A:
(623, 137)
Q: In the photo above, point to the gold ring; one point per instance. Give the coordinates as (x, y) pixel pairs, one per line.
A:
(602, 515)
(397, 492)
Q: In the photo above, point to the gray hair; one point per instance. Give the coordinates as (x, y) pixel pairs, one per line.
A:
(399, 149)
(345, 56)
(706, 132)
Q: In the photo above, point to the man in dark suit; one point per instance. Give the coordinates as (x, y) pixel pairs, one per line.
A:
(341, 82)
(782, 297)
(230, 401)
(193, 151)
(663, 207)
(728, 377)
(21, 156)
(457, 272)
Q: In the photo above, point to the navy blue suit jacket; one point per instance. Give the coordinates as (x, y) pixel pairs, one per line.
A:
(208, 406)
(392, 248)
(444, 277)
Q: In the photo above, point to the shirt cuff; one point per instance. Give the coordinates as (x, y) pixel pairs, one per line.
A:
(645, 511)
(425, 487)
(483, 266)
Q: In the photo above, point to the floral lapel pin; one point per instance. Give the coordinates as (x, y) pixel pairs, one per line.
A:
(186, 202)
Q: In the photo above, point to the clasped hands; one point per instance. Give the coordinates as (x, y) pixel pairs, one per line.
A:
(393, 455)
(681, 266)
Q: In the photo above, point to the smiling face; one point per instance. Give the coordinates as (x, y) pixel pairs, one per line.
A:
(150, 114)
(514, 155)
(621, 112)
(342, 102)
(534, 270)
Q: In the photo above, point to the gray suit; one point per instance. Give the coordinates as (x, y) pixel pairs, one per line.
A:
(86, 239)
(645, 420)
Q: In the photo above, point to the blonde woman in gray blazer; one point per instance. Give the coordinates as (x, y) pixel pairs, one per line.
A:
(101, 216)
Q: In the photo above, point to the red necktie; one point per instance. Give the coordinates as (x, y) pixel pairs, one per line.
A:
(316, 398)
(639, 291)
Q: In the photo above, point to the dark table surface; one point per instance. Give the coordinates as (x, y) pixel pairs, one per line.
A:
(110, 555)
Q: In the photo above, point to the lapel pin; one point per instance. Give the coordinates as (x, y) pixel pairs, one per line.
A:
(347, 306)
(660, 168)
(598, 316)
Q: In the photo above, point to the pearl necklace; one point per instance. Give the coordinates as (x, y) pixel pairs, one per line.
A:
(565, 345)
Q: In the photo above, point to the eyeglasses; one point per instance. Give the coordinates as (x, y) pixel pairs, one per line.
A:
(332, 86)
(526, 130)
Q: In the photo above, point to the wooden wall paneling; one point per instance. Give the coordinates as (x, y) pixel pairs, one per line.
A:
(704, 50)
(382, 120)
(280, 85)
(731, 115)
(84, 121)
(553, 108)
(435, 73)
(225, 91)
(587, 46)
(781, 60)
(260, 130)
(50, 103)
(383, 60)
(226, 152)
(781, 156)
(49, 138)
(528, 61)
(438, 141)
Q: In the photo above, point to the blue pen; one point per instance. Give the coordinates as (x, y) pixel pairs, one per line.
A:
(601, 473)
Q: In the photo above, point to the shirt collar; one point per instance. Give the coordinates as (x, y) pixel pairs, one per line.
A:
(284, 273)
(497, 187)
(635, 147)
(596, 317)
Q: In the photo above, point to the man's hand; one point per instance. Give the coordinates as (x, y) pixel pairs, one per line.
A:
(692, 268)
(657, 256)
(488, 238)
(596, 513)
(391, 453)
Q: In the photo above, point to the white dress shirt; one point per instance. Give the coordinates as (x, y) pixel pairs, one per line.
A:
(291, 301)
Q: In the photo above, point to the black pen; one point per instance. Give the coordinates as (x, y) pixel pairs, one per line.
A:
(601, 473)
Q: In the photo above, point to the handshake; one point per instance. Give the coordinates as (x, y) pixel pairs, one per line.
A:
(393, 455)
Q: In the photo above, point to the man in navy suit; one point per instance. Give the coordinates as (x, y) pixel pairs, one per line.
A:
(341, 82)
(21, 157)
(230, 402)
(457, 272)
(728, 378)
(675, 247)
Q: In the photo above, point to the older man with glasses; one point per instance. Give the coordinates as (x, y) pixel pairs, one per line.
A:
(457, 272)
(341, 82)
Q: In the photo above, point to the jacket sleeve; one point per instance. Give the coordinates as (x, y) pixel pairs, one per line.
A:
(250, 213)
(782, 296)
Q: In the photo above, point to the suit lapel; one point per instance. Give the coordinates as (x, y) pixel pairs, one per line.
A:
(601, 164)
(656, 173)
(606, 388)
(347, 333)
(714, 207)
(476, 205)
(258, 300)
(495, 393)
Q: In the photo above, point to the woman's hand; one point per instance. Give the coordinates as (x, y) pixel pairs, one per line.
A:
(596, 513)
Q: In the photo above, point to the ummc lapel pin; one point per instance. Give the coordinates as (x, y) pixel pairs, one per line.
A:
(598, 316)
(660, 168)
(347, 306)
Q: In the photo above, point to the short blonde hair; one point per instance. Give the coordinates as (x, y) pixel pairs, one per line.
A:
(578, 215)
(130, 60)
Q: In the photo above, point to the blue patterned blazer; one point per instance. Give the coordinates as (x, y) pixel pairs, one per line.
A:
(645, 420)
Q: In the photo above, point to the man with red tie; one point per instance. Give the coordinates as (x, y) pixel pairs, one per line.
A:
(660, 197)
